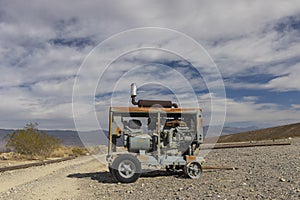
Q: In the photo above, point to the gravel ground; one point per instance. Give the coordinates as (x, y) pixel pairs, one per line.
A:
(263, 173)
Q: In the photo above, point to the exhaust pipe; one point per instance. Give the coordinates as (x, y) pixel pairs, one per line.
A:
(175, 105)
(149, 103)
(133, 94)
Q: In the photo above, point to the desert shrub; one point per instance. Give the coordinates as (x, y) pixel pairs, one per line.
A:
(100, 149)
(79, 151)
(12, 156)
(32, 142)
(61, 151)
(65, 151)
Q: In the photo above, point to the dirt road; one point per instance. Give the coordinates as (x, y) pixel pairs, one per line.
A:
(264, 173)
(47, 182)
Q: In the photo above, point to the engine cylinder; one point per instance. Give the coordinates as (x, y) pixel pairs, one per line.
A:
(155, 103)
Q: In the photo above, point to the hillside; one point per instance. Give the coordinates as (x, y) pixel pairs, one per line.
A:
(67, 137)
(279, 132)
(232, 130)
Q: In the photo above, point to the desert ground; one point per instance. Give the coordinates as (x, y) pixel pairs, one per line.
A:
(271, 172)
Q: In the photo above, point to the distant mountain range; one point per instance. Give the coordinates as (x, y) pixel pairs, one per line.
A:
(227, 130)
(273, 133)
(91, 138)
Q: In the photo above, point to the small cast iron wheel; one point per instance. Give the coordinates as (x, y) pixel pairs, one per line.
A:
(110, 169)
(193, 170)
(126, 168)
(170, 168)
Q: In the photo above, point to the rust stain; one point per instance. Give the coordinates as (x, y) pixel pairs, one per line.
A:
(143, 158)
(153, 109)
(118, 131)
(190, 158)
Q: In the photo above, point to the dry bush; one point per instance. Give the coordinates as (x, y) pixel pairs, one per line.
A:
(79, 151)
(32, 142)
(13, 156)
(94, 149)
(65, 151)
(61, 151)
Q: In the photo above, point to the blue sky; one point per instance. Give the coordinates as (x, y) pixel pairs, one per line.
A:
(254, 44)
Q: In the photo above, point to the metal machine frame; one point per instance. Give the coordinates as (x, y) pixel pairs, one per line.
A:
(139, 153)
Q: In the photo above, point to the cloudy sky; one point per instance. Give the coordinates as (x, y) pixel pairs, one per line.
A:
(98, 48)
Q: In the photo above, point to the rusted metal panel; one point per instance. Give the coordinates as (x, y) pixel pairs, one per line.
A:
(190, 158)
(175, 123)
(117, 131)
(154, 109)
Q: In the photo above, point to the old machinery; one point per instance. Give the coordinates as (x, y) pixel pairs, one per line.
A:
(154, 134)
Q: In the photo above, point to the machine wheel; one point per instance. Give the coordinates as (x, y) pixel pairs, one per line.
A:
(110, 169)
(126, 168)
(193, 170)
(170, 168)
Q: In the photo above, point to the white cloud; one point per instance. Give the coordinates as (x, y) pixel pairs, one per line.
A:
(288, 82)
(250, 98)
(260, 113)
(37, 76)
(296, 106)
(248, 111)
